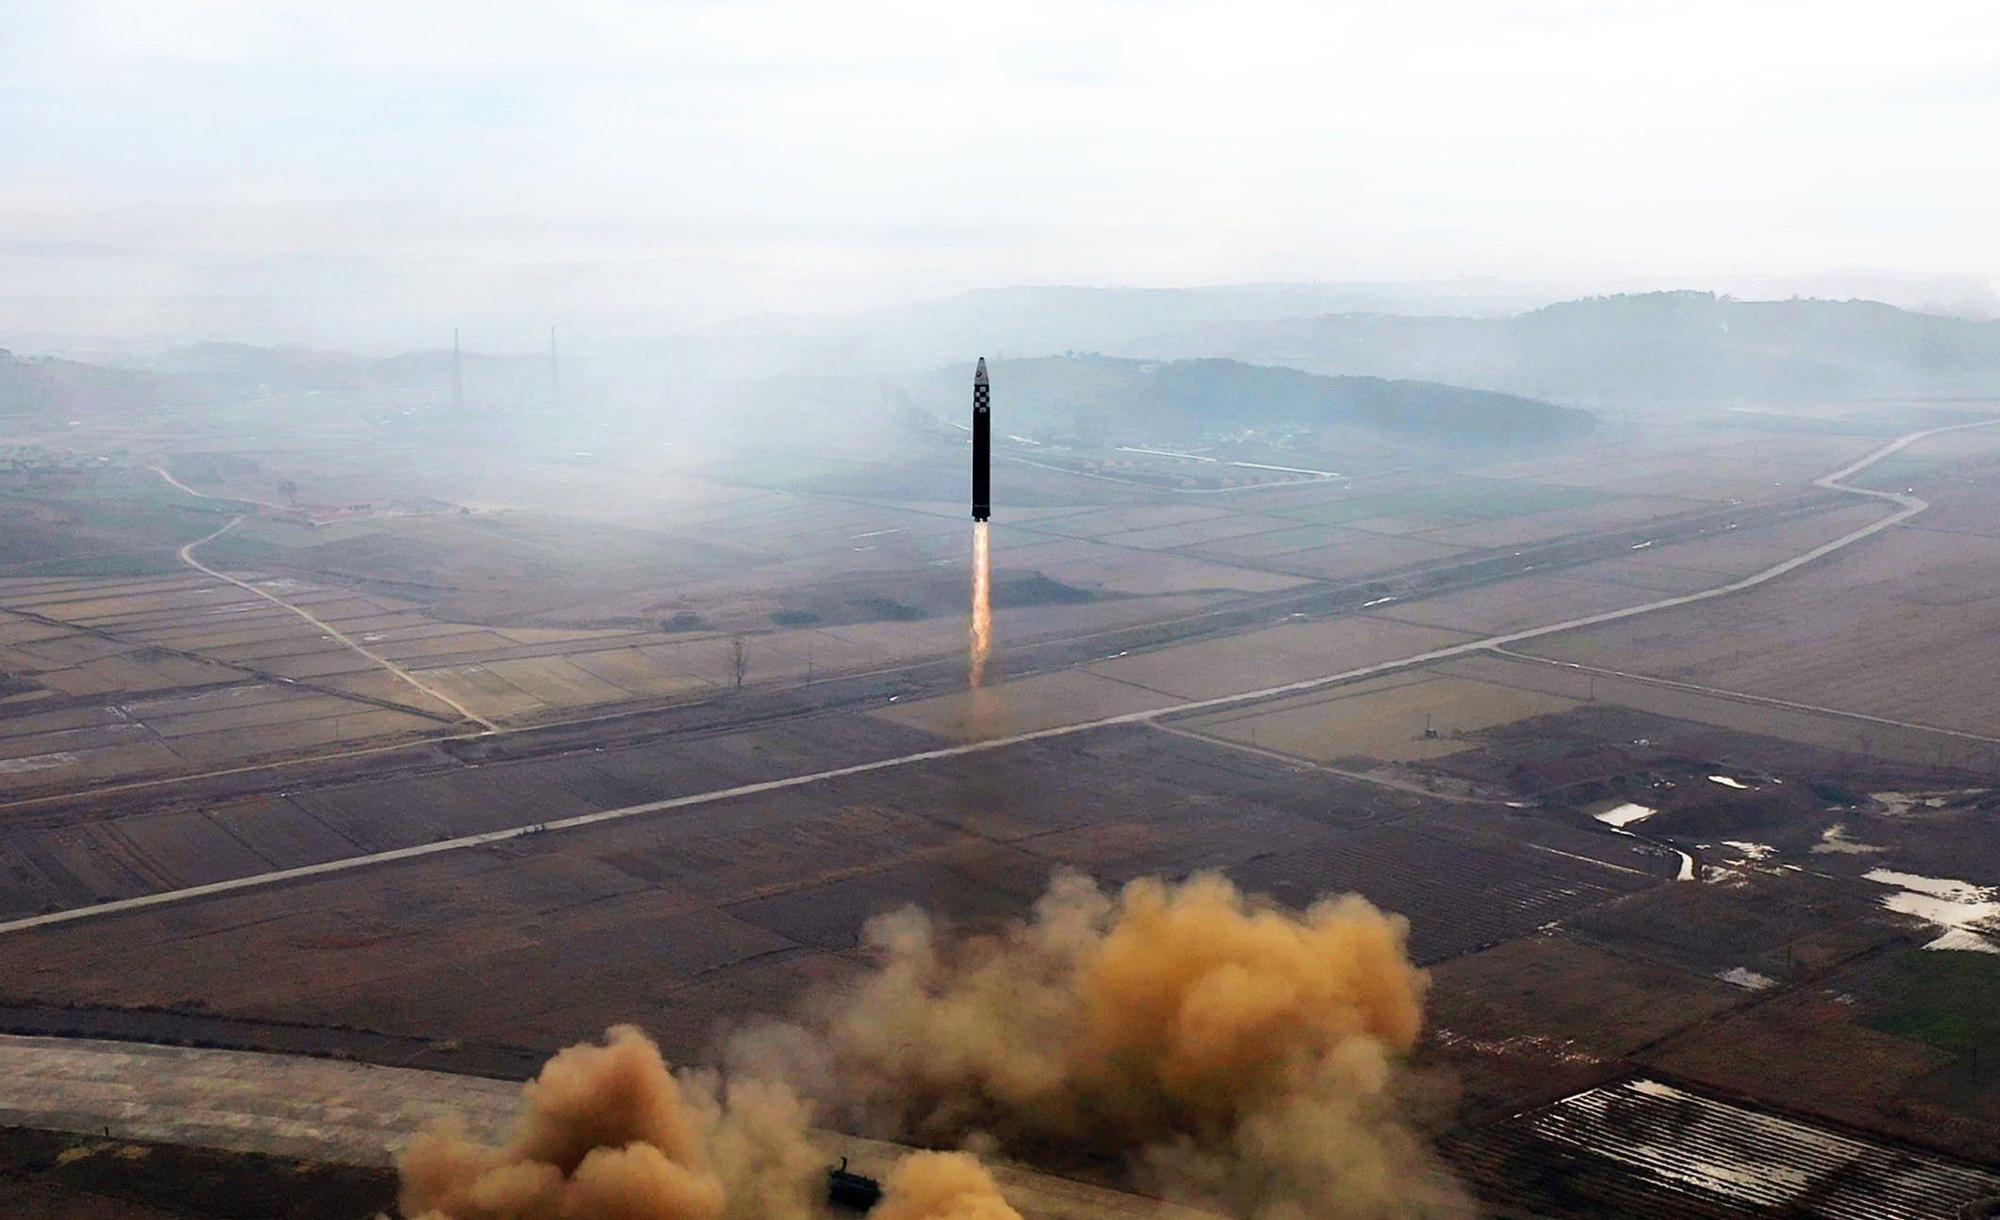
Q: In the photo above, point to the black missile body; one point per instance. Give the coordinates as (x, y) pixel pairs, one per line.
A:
(982, 446)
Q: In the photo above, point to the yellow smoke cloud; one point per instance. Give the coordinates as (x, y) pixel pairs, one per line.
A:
(1226, 1052)
(608, 1132)
(1232, 1053)
(942, 1186)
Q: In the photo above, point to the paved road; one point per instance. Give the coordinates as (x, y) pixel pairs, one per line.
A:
(1907, 506)
(168, 475)
(326, 1111)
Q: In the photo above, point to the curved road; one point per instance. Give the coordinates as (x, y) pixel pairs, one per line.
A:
(1907, 506)
(187, 557)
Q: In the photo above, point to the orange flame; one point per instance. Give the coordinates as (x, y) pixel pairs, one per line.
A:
(982, 604)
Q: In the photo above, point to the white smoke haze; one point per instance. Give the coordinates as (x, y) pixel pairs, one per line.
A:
(370, 172)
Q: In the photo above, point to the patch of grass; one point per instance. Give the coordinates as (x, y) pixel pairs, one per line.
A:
(1947, 1000)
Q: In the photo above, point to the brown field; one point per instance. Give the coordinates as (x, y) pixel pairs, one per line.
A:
(1515, 604)
(1384, 718)
(1563, 957)
(1272, 657)
(687, 919)
(1748, 467)
(1814, 1048)
(1883, 628)
(1834, 736)
(1492, 1013)
(1558, 523)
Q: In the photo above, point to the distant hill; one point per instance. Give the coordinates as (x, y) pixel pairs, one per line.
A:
(45, 388)
(1026, 320)
(1665, 347)
(1098, 398)
(236, 368)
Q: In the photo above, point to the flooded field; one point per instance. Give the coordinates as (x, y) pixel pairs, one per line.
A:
(1643, 1148)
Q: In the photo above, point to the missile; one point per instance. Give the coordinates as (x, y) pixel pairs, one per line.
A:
(982, 446)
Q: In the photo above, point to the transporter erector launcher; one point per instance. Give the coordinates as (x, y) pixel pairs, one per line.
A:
(982, 446)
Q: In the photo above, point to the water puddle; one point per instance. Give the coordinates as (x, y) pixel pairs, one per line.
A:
(1899, 803)
(1746, 978)
(1751, 853)
(1834, 841)
(1727, 782)
(1968, 914)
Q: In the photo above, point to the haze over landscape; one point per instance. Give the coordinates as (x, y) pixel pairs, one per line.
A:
(1469, 692)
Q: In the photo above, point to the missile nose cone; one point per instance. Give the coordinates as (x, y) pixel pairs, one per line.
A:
(979, 374)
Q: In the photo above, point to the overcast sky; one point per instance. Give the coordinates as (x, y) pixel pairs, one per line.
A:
(346, 171)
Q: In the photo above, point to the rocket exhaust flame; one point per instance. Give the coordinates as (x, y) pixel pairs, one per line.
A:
(982, 605)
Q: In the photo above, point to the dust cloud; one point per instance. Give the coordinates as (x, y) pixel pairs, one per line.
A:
(609, 1132)
(982, 605)
(1228, 1053)
(1217, 1050)
(942, 1186)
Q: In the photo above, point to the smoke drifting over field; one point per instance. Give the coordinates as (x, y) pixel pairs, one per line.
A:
(1226, 1053)
(1230, 1053)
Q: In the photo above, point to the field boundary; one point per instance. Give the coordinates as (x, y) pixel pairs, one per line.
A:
(1908, 506)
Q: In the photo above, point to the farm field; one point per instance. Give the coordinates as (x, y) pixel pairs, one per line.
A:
(684, 920)
(1916, 1021)
(1881, 628)
(1648, 1148)
(593, 616)
(1390, 719)
(1276, 655)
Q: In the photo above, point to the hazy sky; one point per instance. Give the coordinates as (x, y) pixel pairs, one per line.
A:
(342, 171)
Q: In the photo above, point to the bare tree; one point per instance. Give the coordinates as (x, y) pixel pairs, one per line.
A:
(739, 659)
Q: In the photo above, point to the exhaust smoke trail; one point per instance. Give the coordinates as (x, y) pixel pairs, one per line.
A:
(982, 605)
